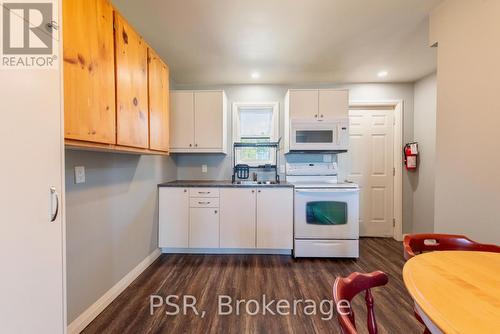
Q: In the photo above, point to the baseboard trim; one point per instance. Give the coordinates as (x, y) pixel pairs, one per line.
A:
(95, 309)
(257, 251)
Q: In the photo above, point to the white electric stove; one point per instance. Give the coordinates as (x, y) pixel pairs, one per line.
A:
(326, 215)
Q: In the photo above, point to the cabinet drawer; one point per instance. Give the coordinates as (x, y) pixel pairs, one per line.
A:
(204, 202)
(204, 192)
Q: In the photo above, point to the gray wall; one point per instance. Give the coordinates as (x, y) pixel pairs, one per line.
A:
(425, 135)
(219, 166)
(111, 220)
(467, 191)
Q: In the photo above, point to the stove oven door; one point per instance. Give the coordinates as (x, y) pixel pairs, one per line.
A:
(327, 213)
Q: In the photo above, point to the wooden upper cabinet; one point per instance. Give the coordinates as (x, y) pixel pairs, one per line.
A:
(89, 78)
(131, 54)
(158, 103)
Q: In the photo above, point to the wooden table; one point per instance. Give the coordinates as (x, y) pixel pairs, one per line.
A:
(455, 291)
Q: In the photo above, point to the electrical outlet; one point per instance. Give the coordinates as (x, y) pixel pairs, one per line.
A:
(327, 158)
(79, 174)
(204, 168)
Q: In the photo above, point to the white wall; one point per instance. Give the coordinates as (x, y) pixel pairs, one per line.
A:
(424, 120)
(112, 220)
(219, 166)
(467, 196)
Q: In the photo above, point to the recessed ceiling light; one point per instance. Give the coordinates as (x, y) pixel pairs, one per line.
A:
(382, 74)
(255, 75)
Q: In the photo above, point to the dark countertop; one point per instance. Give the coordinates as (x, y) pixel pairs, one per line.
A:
(220, 184)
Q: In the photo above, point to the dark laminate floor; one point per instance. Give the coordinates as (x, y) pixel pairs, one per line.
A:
(249, 277)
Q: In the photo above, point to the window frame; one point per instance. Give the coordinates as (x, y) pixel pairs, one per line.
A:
(236, 126)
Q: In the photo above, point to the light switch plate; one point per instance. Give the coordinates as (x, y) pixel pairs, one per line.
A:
(204, 168)
(79, 174)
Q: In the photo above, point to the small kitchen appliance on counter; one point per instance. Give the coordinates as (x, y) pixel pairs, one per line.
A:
(326, 211)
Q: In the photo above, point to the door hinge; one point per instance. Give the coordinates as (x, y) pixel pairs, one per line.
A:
(393, 222)
(393, 171)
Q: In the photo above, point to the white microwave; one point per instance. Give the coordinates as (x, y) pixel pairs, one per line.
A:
(313, 135)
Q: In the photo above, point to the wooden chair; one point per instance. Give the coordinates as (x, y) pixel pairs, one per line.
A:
(344, 290)
(415, 244)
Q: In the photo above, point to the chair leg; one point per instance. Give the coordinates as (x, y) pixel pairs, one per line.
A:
(426, 331)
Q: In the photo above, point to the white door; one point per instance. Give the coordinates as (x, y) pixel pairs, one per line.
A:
(333, 103)
(275, 218)
(182, 119)
(237, 218)
(304, 103)
(204, 228)
(31, 245)
(173, 211)
(371, 166)
(208, 131)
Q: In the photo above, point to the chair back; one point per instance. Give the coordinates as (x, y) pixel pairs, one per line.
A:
(346, 288)
(415, 244)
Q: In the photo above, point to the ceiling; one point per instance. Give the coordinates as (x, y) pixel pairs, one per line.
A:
(287, 41)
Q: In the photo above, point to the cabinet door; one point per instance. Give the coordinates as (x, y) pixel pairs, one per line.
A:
(158, 103)
(89, 71)
(131, 86)
(204, 228)
(237, 220)
(275, 218)
(173, 210)
(304, 104)
(182, 119)
(208, 125)
(333, 103)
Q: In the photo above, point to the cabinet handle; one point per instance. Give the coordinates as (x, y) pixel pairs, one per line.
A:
(203, 192)
(215, 211)
(185, 190)
(316, 116)
(253, 191)
(53, 195)
(259, 191)
(321, 116)
(204, 203)
(190, 145)
(195, 145)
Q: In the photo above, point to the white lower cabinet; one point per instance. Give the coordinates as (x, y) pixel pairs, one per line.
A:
(275, 218)
(204, 228)
(237, 220)
(241, 218)
(173, 219)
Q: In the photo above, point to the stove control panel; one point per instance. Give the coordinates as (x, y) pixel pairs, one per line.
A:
(313, 169)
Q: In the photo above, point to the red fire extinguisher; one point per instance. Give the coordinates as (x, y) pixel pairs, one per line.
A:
(410, 155)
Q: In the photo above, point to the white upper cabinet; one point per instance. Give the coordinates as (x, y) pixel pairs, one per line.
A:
(319, 104)
(199, 122)
(333, 103)
(182, 120)
(304, 103)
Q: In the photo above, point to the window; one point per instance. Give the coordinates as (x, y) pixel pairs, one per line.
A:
(255, 123)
